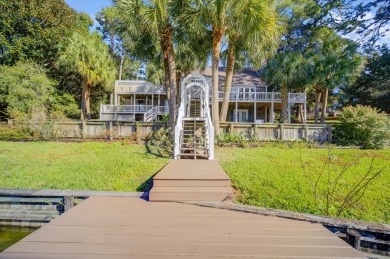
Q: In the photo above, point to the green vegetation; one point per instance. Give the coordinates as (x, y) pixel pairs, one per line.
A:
(269, 176)
(79, 166)
(363, 125)
(272, 177)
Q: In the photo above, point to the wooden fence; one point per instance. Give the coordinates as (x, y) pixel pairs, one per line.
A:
(310, 132)
(117, 130)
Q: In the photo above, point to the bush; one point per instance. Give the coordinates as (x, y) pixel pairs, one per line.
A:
(363, 125)
(13, 133)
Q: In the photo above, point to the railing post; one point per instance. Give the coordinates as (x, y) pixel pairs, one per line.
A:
(330, 133)
(83, 129)
(306, 132)
(281, 131)
(110, 128)
(231, 128)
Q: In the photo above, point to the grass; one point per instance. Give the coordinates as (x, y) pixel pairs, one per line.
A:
(272, 177)
(76, 166)
(269, 176)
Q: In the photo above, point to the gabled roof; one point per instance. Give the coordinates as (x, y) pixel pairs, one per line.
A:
(245, 77)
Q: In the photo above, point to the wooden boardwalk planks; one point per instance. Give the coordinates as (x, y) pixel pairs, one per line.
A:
(191, 180)
(113, 227)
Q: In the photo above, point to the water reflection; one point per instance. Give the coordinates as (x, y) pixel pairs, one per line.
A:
(11, 235)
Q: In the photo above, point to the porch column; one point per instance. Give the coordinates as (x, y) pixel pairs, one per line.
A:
(265, 114)
(272, 108)
(158, 100)
(236, 111)
(134, 106)
(304, 113)
(254, 112)
(152, 100)
(255, 108)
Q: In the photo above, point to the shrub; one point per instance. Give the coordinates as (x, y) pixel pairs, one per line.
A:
(363, 125)
(159, 143)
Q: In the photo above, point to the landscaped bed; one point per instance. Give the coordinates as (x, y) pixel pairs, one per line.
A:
(269, 176)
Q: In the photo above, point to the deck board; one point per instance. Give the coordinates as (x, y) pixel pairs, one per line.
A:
(192, 169)
(113, 227)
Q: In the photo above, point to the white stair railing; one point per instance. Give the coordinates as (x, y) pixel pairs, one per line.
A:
(198, 81)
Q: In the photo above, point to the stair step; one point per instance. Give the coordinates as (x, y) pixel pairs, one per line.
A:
(189, 154)
(189, 193)
(190, 183)
(194, 148)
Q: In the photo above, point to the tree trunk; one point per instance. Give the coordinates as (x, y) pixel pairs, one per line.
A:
(121, 65)
(88, 102)
(83, 94)
(216, 52)
(284, 93)
(324, 104)
(178, 89)
(228, 79)
(170, 71)
(317, 105)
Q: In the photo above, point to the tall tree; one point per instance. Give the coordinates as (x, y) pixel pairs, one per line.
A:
(254, 30)
(335, 63)
(32, 29)
(155, 18)
(283, 71)
(373, 85)
(88, 55)
(211, 15)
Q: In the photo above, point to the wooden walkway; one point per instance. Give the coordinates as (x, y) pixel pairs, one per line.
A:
(125, 227)
(191, 180)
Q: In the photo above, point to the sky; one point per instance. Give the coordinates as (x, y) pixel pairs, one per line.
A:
(91, 7)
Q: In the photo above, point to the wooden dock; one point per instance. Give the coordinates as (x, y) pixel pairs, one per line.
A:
(191, 180)
(126, 227)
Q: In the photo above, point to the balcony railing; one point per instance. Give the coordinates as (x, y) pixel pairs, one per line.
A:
(263, 97)
(125, 108)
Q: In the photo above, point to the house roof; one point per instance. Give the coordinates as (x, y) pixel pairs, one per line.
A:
(244, 77)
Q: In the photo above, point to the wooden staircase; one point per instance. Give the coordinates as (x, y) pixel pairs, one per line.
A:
(191, 180)
(193, 175)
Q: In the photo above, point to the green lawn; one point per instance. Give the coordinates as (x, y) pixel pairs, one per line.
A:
(76, 166)
(265, 176)
(272, 177)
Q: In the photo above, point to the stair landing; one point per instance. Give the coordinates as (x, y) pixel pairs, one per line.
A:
(191, 180)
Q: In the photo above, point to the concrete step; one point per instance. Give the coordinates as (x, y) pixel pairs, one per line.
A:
(189, 193)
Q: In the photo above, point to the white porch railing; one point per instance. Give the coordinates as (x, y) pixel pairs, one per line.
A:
(125, 108)
(154, 112)
(254, 94)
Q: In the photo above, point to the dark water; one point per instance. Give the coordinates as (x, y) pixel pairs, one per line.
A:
(11, 235)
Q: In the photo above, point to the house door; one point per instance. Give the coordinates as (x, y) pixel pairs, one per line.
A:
(242, 115)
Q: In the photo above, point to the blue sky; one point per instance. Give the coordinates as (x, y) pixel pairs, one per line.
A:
(88, 6)
(94, 6)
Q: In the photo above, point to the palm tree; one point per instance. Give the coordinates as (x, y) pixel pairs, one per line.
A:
(254, 30)
(89, 56)
(283, 71)
(335, 63)
(155, 17)
(203, 15)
